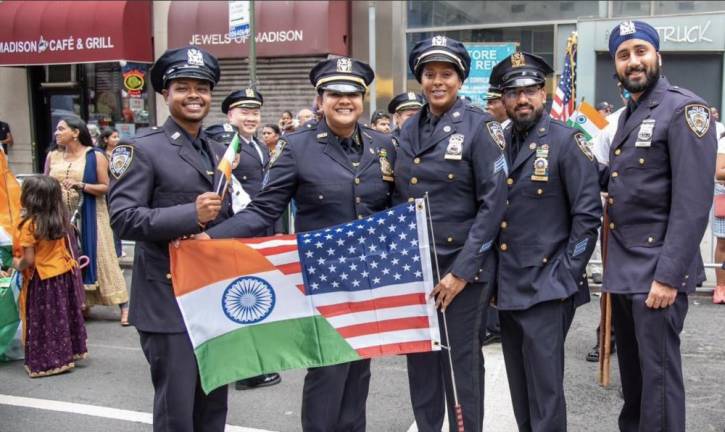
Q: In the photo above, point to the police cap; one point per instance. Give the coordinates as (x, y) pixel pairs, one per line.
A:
(342, 75)
(520, 69)
(439, 49)
(221, 133)
(188, 62)
(247, 98)
(493, 92)
(406, 101)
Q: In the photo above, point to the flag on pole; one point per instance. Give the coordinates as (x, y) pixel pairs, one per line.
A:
(588, 120)
(344, 293)
(562, 105)
(9, 210)
(227, 161)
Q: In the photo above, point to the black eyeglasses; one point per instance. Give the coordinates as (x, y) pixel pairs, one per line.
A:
(514, 93)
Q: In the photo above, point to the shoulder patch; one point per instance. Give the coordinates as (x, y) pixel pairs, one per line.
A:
(496, 131)
(121, 159)
(277, 151)
(583, 145)
(698, 119)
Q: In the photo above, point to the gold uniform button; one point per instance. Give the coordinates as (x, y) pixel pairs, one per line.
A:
(504, 224)
(641, 161)
(359, 216)
(416, 161)
(610, 200)
(617, 152)
(509, 181)
(168, 276)
(321, 196)
(357, 180)
(545, 260)
(504, 247)
(475, 278)
(414, 180)
(450, 176)
(450, 239)
(611, 225)
(358, 200)
(411, 200)
(539, 191)
(615, 174)
(244, 177)
(650, 239)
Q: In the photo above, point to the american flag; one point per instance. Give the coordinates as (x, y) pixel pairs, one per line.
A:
(371, 279)
(563, 103)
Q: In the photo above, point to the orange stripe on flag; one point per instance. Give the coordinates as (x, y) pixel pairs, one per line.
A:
(381, 303)
(398, 348)
(593, 115)
(198, 263)
(384, 326)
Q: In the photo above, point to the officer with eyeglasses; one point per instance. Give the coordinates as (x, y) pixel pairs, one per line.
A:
(547, 235)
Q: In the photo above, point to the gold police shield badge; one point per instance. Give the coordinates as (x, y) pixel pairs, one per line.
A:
(496, 131)
(386, 169)
(121, 159)
(698, 119)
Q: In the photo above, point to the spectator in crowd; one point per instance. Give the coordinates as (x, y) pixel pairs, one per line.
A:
(55, 335)
(304, 116)
(270, 136)
(604, 108)
(83, 174)
(380, 121)
(286, 122)
(6, 138)
(108, 140)
(718, 219)
(402, 107)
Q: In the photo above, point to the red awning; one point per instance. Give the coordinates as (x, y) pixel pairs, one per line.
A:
(60, 32)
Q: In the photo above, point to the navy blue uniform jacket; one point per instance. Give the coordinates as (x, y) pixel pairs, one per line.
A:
(153, 203)
(660, 191)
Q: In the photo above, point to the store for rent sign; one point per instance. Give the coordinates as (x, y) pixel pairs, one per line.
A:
(484, 56)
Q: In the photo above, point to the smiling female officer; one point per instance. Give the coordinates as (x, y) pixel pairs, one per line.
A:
(337, 172)
(454, 152)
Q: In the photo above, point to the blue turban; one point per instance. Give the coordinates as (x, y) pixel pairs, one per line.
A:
(627, 30)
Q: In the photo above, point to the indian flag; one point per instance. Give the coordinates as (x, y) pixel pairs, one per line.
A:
(9, 210)
(588, 120)
(227, 161)
(340, 294)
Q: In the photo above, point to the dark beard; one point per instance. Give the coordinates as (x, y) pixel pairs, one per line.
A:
(651, 76)
(526, 123)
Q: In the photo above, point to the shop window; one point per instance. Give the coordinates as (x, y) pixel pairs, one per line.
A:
(675, 7)
(630, 8)
(59, 73)
(118, 96)
(455, 13)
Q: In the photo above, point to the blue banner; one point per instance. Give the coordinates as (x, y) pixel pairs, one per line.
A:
(484, 56)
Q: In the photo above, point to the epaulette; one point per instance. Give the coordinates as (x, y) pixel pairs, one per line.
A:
(474, 108)
(682, 91)
(144, 132)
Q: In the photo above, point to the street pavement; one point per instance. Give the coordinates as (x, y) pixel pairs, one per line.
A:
(111, 391)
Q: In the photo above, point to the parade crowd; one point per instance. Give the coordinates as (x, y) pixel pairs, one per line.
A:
(517, 200)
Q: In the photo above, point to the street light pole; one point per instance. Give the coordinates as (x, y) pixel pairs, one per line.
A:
(252, 48)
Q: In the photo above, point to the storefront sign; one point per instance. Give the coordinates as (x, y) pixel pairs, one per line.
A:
(484, 56)
(133, 81)
(282, 28)
(44, 32)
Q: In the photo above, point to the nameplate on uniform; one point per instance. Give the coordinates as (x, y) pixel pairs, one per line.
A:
(454, 150)
(645, 134)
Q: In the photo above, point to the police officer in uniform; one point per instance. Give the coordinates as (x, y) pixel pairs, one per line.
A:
(161, 191)
(402, 107)
(242, 108)
(660, 183)
(452, 151)
(337, 172)
(547, 236)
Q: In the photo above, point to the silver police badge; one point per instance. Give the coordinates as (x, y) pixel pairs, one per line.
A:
(496, 131)
(194, 57)
(439, 41)
(249, 93)
(454, 151)
(645, 133)
(626, 27)
(698, 119)
(344, 65)
(121, 159)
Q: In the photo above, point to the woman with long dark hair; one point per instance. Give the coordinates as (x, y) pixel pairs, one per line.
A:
(82, 172)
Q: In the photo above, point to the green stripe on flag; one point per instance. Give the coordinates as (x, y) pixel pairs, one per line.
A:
(9, 319)
(272, 347)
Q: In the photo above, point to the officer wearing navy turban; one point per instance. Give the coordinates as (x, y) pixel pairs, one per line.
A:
(452, 152)
(161, 190)
(660, 183)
